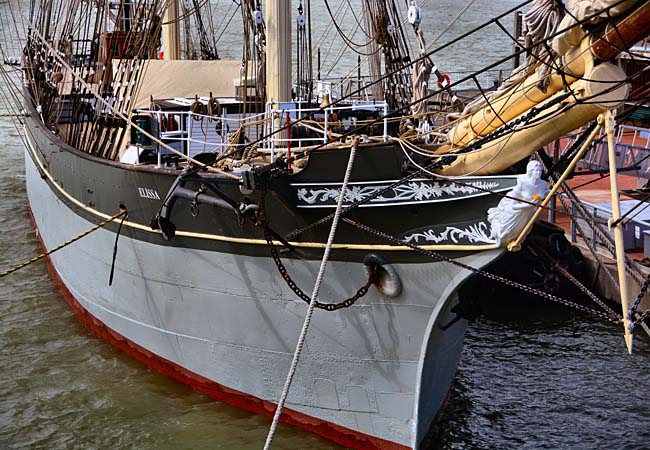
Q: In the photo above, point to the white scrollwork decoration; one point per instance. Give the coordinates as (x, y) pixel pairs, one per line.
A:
(405, 192)
(475, 234)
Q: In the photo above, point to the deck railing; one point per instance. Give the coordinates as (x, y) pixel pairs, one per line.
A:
(192, 133)
(280, 116)
(632, 146)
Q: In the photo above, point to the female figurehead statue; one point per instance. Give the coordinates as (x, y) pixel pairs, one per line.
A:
(510, 216)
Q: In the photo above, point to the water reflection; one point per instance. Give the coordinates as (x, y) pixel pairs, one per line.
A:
(556, 380)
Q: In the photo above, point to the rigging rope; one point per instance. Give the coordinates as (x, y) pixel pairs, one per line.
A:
(312, 304)
(65, 244)
(384, 77)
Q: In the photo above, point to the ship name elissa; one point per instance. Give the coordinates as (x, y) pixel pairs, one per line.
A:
(148, 193)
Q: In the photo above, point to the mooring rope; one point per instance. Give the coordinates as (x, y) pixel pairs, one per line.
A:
(65, 244)
(312, 303)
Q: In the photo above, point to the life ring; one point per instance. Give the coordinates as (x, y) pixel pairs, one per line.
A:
(445, 78)
(388, 281)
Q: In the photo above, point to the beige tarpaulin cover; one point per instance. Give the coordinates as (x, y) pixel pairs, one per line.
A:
(579, 10)
(185, 78)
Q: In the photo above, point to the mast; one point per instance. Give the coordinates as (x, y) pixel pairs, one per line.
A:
(374, 58)
(171, 31)
(278, 51)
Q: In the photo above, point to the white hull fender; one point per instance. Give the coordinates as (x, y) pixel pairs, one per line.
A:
(377, 372)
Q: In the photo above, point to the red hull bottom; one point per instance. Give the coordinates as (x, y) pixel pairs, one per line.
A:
(336, 433)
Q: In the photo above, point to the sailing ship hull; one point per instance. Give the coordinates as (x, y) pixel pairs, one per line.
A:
(213, 311)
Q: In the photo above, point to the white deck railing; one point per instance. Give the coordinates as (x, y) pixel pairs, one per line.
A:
(277, 118)
(192, 133)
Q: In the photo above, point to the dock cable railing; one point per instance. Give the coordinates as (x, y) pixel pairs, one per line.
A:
(599, 236)
(632, 148)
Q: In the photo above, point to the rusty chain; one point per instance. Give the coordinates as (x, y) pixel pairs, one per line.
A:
(439, 257)
(363, 290)
(575, 281)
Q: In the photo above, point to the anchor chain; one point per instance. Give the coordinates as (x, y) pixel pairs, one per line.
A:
(642, 292)
(576, 282)
(439, 257)
(363, 290)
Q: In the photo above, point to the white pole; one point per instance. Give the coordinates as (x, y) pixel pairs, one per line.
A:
(618, 228)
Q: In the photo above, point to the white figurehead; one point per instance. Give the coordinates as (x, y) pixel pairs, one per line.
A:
(510, 216)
